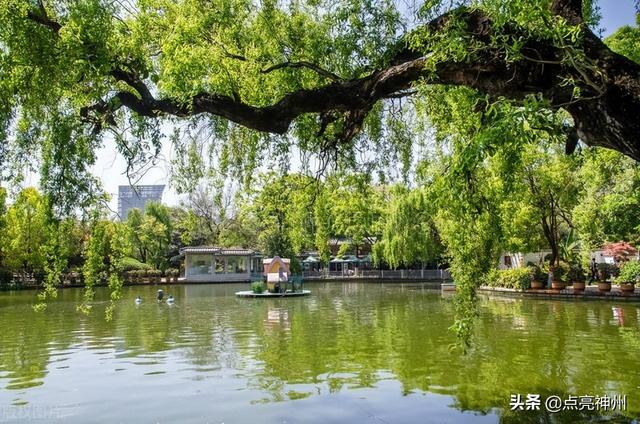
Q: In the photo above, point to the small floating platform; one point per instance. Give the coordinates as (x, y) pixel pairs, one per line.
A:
(249, 293)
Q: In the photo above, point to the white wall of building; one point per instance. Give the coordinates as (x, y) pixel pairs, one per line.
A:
(514, 260)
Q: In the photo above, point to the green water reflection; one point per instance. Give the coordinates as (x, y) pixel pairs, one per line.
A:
(386, 346)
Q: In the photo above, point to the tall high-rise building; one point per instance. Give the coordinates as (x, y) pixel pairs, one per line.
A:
(137, 197)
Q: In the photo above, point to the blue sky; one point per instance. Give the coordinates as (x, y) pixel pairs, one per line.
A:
(110, 166)
(617, 13)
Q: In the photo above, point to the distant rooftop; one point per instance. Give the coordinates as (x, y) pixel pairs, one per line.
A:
(347, 240)
(219, 250)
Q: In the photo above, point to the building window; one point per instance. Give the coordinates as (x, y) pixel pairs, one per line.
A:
(256, 265)
(200, 265)
(507, 261)
(230, 265)
(241, 265)
(219, 265)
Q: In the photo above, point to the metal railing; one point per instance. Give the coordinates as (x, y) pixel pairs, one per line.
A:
(395, 274)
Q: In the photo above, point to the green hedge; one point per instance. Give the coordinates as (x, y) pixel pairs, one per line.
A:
(132, 264)
(516, 278)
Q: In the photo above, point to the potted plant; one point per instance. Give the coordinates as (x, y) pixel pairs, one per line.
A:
(538, 277)
(559, 275)
(603, 273)
(629, 275)
(577, 277)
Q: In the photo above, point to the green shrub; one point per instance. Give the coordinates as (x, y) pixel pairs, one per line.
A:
(537, 274)
(561, 272)
(257, 287)
(629, 272)
(606, 271)
(576, 274)
(492, 277)
(516, 278)
(131, 264)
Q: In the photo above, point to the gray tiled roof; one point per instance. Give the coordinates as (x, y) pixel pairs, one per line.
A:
(218, 250)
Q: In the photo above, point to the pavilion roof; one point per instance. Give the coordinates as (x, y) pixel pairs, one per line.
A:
(239, 251)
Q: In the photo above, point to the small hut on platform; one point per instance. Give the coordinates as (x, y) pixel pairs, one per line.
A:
(277, 272)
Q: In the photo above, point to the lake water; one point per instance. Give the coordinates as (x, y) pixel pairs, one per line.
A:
(349, 353)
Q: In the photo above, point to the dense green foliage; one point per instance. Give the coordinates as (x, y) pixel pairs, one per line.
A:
(517, 278)
(151, 234)
(68, 67)
(629, 272)
(26, 232)
(610, 214)
(626, 41)
(292, 214)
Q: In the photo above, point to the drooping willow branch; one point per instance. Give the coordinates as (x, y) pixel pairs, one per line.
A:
(604, 114)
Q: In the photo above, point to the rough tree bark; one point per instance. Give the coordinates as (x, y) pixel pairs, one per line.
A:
(605, 115)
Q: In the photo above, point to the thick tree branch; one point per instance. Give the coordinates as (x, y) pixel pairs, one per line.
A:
(133, 81)
(401, 94)
(605, 114)
(571, 10)
(40, 16)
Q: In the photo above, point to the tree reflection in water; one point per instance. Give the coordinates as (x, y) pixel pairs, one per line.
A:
(343, 337)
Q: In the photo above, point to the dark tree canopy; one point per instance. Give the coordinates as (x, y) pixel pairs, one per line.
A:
(322, 75)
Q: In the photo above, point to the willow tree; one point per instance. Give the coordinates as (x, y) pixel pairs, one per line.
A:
(409, 234)
(332, 78)
(314, 73)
